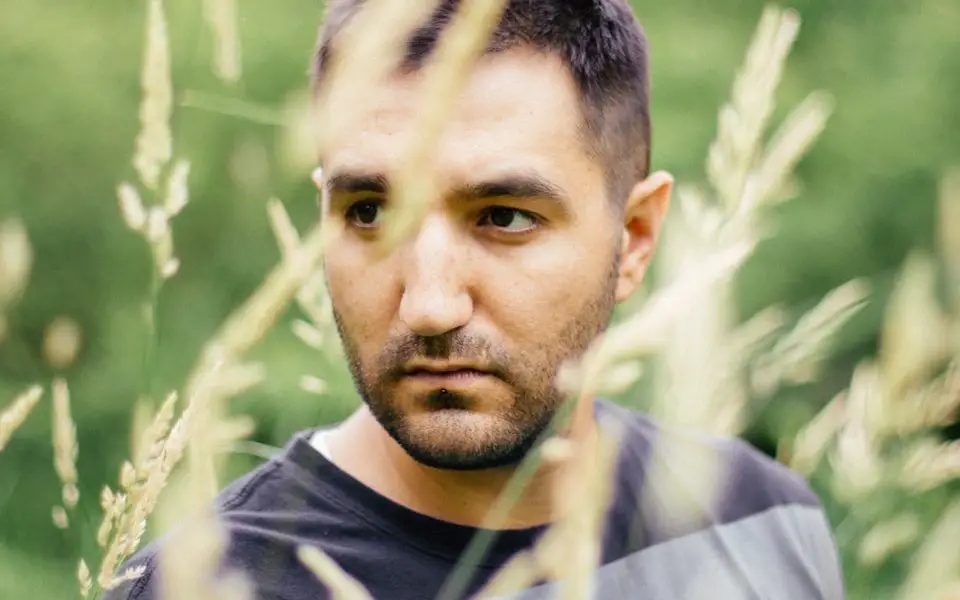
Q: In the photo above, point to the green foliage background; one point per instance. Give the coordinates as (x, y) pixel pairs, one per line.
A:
(69, 97)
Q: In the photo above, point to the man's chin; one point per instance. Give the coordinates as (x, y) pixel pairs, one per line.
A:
(460, 440)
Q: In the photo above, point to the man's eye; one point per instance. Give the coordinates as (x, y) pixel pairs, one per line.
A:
(365, 214)
(511, 220)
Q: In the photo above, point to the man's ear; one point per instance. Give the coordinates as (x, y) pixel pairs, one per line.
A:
(643, 216)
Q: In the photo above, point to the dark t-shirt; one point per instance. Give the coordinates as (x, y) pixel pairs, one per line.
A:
(760, 535)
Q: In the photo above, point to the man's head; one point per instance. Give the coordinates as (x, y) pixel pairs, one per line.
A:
(547, 219)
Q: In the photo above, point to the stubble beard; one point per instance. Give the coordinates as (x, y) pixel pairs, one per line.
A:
(449, 436)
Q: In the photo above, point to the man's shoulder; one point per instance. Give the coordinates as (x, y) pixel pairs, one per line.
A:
(684, 481)
(745, 480)
(250, 493)
(715, 498)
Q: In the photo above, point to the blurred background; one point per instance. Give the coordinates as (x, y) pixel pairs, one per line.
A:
(69, 98)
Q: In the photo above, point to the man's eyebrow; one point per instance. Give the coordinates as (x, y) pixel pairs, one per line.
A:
(517, 186)
(355, 183)
(513, 186)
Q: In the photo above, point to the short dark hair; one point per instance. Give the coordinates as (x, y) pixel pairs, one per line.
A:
(600, 41)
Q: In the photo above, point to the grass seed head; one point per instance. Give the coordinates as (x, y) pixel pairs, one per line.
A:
(84, 578)
(16, 260)
(154, 146)
(131, 207)
(61, 342)
(340, 584)
(17, 412)
(178, 193)
(221, 16)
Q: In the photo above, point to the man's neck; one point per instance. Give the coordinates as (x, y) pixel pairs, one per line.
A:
(360, 447)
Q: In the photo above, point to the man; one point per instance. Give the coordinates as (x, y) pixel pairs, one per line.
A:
(547, 219)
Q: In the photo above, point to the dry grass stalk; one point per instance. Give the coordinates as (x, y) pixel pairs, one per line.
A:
(368, 50)
(65, 447)
(130, 574)
(460, 45)
(798, 356)
(742, 121)
(587, 495)
(152, 438)
(142, 417)
(221, 16)
(189, 565)
(311, 298)
(856, 464)
(950, 228)
(569, 551)
(160, 237)
(935, 566)
(61, 342)
(698, 388)
(309, 334)
(283, 229)
(747, 338)
(205, 424)
(153, 223)
(731, 161)
(298, 118)
(17, 412)
(950, 591)
(517, 574)
(339, 583)
(646, 330)
(60, 518)
(684, 481)
(883, 431)
(155, 144)
(313, 385)
(888, 537)
(791, 142)
(804, 454)
(177, 193)
(186, 576)
(933, 405)
(126, 512)
(702, 387)
(84, 579)
(915, 335)
(706, 354)
(930, 464)
(896, 397)
(249, 322)
(16, 260)
(131, 207)
(216, 377)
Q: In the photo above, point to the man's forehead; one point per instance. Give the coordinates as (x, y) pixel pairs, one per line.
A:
(516, 107)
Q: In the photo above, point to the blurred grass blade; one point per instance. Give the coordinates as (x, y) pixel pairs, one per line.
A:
(16, 260)
(741, 122)
(17, 412)
(460, 45)
(950, 229)
(937, 563)
(341, 585)
(221, 16)
(154, 143)
(369, 48)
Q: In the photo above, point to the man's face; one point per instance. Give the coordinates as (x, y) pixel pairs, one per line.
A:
(455, 338)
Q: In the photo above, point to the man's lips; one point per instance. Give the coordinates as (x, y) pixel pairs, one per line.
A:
(446, 376)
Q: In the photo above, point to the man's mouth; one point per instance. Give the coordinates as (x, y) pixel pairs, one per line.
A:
(446, 375)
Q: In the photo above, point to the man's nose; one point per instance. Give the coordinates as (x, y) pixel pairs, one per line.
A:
(435, 297)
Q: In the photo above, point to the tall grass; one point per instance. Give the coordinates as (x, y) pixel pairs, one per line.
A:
(878, 439)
